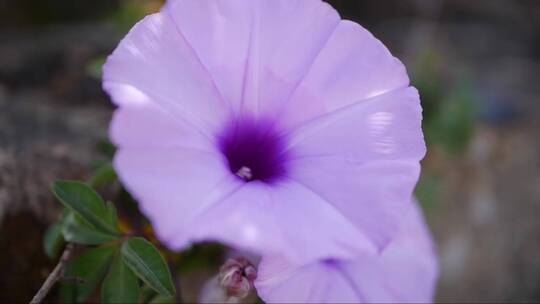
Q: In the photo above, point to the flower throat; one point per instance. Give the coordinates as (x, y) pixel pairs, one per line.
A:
(254, 151)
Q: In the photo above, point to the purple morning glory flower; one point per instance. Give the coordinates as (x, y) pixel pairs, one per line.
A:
(405, 272)
(269, 125)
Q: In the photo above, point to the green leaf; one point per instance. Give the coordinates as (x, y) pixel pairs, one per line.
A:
(91, 266)
(148, 264)
(83, 200)
(105, 174)
(53, 240)
(147, 293)
(453, 126)
(76, 230)
(160, 299)
(95, 66)
(106, 148)
(112, 215)
(428, 191)
(121, 285)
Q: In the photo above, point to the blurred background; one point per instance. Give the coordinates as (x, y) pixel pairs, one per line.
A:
(476, 64)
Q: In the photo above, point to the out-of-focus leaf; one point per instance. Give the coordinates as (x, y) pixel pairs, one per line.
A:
(53, 240)
(456, 122)
(147, 293)
(83, 200)
(428, 191)
(160, 299)
(77, 230)
(107, 148)
(452, 126)
(94, 67)
(130, 13)
(201, 256)
(428, 79)
(91, 266)
(149, 265)
(112, 215)
(121, 285)
(105, 174)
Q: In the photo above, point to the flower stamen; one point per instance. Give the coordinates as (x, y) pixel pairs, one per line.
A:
(245, 173)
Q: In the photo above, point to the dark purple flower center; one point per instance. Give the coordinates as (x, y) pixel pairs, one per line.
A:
(330, 262)
(254, 150)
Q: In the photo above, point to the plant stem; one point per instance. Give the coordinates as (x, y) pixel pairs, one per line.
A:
(55, 275)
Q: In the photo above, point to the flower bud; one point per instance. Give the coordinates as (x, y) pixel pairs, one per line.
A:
(236, 277)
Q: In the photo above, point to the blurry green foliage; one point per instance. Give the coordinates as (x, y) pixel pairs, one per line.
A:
(94, 68)
(121, 285)
(449, 117)
(106, 148)
(162, 300)
(76, 230)
(131, 12)
(454, 124)
(449, 105)
(119, 261)
(428, 190)
(200, 256)
(86, 203)
(53, 240)
(149, 265)
(90, 267)
(104, 175)
(429, 80)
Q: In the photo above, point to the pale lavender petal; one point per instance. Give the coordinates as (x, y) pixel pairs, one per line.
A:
(279, 282)
(364, 160)
(218, 31)
(386, 127)
(146, 126)
(257, 51)
(284, 218)
(154, 64)
(173, 185)
(406, 271)
(353, 66)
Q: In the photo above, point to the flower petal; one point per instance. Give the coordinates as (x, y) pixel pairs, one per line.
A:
(406, 271)
(257, 51)
(353, 66)
(372, 197)
(278, 281)
(274, 219)
(173, 186)
(364, 160)
(154, 64)
(149, 126)
(386, 127)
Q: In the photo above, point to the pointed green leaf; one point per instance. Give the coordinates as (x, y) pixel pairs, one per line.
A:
(121, 285)
(83, 200)
(91, 266)
(105, 174)
(53, 240)
(77, 230)
(148, 264)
